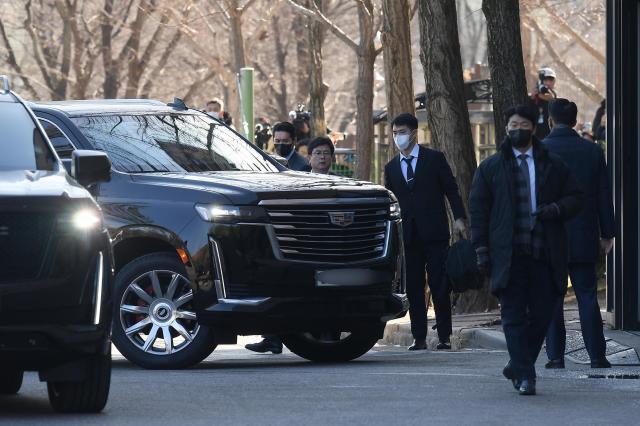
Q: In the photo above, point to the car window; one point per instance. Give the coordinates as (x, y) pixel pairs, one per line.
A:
(22, 146)
(171, 143)
(60, 142)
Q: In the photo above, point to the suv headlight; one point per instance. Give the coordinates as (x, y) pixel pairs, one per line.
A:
(394, 211)
(223, 213)
(86, 219)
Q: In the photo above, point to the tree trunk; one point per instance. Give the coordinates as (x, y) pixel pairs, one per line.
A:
(281, 63)
(364, 107)
(509, 84)
(302, 56)
(110, 85)
(396, 44)
(236, 44)
(317, 91)
(447, 113)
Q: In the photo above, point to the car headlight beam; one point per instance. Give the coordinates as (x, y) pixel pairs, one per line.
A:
(86, 219)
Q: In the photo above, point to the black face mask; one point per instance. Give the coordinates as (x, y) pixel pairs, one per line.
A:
(284, 149)
(520, 138)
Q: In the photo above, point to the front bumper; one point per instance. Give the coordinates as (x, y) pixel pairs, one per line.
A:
(276, 315)
(36, 347)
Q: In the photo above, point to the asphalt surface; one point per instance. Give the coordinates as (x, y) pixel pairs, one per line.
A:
(387, 386)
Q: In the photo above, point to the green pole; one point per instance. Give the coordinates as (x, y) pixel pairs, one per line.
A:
(245, 84)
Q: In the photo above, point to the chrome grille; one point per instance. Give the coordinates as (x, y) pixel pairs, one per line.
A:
(342, 233)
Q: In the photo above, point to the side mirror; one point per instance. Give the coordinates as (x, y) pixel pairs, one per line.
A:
(90, 167)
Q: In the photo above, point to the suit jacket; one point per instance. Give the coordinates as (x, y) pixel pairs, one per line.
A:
(586, 161)
(492, 210)
(424, 214)
(298, 163)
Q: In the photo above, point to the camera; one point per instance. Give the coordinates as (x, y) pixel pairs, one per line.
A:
(301, 120)
(543, 74)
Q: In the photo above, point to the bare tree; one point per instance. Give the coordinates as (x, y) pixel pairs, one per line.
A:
(366, 54)
(396, 45)
(317, 90)
(505, 59)
(447, 112)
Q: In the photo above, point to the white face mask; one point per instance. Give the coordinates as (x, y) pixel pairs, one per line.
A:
(402, 141)
(214, 114)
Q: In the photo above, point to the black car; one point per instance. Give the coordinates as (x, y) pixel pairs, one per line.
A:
(55, 266)
(213, 239)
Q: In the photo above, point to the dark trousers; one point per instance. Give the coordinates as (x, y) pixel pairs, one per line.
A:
(585, 285)
(431, 255)
(527, 306)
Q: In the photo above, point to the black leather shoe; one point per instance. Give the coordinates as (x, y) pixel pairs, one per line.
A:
(528, 387)
(418, 345)
(600, 363)
(265, 346)
(508, 372)
(554, 363)
(443, 346)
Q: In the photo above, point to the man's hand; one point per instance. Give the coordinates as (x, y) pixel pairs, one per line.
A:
(460, 227)
(606, 244)
(482, 260)
(547, 212)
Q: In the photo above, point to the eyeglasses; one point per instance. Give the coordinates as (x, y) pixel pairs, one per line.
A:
(321, 153)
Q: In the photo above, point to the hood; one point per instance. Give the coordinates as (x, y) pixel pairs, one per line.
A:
(27, 183)
(245, 188)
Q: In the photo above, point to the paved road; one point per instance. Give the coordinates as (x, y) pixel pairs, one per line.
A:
(387, 386)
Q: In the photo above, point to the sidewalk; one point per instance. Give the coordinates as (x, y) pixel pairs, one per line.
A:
(483, 330)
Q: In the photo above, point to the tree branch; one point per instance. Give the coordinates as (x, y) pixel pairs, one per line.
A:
(318, 16)
(588, 88)
(573, 33)
(11, 59)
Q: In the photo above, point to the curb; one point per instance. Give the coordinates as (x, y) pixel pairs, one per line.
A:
(463, 337)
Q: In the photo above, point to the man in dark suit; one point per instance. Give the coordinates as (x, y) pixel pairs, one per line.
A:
(421, 179)
(519, 201)
(590, 233)
(284, 140)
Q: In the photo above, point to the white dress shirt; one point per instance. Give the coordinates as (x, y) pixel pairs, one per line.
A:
(532, 174)
(414, 161)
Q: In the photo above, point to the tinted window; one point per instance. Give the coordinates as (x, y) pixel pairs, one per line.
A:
(22, 146)
(60, 143)
(170, 143)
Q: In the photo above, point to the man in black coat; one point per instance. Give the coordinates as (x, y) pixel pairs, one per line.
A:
(519, 201)
(589, 233)
(421, 179)
(284, 141)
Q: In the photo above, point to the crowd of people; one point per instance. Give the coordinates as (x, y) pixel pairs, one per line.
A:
(540, 211)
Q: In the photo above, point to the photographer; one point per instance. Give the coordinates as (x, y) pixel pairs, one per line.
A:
(542, 95)
(301, 122)
(262, 134)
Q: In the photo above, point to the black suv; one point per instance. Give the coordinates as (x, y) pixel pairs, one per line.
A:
(213, 239)
(55, 266)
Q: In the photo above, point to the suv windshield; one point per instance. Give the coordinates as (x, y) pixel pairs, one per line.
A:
(21, 143)
(170, 143)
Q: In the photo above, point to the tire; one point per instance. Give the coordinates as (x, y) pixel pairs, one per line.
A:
(330, 347)
(142, 317)
(10, 381)
(87, 396)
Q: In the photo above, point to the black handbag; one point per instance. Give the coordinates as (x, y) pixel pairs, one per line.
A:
(461, 267)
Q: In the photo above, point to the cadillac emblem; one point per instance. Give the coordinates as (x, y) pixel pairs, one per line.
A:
(342, 218)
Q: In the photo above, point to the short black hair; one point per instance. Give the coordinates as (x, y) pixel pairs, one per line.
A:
(521, 110)
(285, 126)
(320, 141)
(563, 111)
(405, 119)
(215, 101)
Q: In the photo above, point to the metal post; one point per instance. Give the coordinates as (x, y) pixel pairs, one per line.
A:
(245, 89)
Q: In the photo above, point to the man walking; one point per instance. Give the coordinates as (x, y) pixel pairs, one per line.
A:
(589, 233)
(421, 179)
(520, 198)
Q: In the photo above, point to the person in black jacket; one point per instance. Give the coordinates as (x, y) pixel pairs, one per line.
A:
(590, 233)
(421, 179)
(284, 141)
(519, 201)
